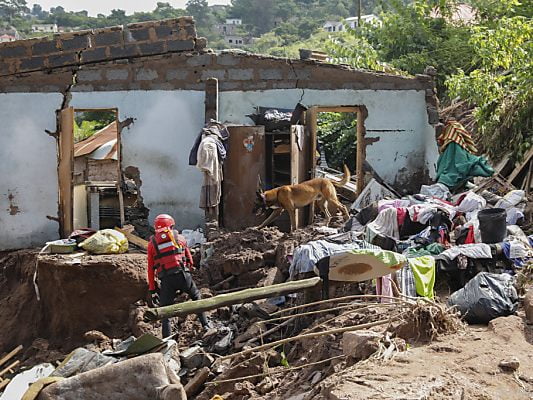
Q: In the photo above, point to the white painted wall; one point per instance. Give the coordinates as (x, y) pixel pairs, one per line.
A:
(158, 144)
(28, 169)
(407, 140)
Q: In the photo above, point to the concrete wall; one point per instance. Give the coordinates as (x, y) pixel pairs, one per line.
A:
(397, 117)
(158, 143)
(28, 162)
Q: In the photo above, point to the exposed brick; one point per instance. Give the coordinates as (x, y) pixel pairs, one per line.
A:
(76, 43)
(227, 59)
(200, 44)
(89, 75)
(13, 51)
(108, 38)
(138, 34)
(182, 21)
(179, 74)
(46, 47)
(62, 59)
(32, 63)
(202, 59)
(241, 74)
(93, 55)
(129, 50)
(213, 73)
(117, 74)
(180, 45)
(145, 74)
(229, 85)
(161, 86)
(152, 48)
(83, 88)
(190, 30)
(270, 74)
(300, 74)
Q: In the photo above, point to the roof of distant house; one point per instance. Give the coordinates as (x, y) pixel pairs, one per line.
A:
(102, 145)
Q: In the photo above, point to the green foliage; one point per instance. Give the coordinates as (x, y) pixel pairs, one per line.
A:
(84, 130)
(88, 123)
(501, 86)
(337, 134)
(10, 9)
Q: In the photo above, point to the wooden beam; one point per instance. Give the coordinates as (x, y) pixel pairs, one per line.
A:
(65, 171)
(9, 367)
(223, 300)
(195, 384)
(136, 240)
(361, 153)
(520, 166)
(10, 355)
(4, 383)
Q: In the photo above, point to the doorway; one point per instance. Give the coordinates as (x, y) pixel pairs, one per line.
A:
(89, 170)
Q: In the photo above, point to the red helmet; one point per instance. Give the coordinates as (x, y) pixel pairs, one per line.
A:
(163, 221)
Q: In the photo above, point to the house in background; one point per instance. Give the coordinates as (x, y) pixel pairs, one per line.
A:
(351, 22)
(44, 28)
(9, 34)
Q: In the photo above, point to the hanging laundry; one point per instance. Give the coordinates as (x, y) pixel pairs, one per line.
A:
(208, 162)
(221, 135)
(456, 133)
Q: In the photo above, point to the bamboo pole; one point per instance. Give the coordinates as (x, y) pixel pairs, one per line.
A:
(198, 306)
(311, 335)
(9, 367)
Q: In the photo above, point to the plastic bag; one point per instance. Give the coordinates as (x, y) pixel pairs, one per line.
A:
(485, 297)
(106, 241)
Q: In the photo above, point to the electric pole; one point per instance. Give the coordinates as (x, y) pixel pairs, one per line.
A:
(359, 6)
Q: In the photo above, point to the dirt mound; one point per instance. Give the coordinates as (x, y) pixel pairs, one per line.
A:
(77, 294)
(19, 309)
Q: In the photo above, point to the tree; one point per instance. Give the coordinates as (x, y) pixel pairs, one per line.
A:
(501, 87)
(199, 9)
(12, 8)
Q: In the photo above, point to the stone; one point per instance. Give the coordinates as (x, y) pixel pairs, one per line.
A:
(95, 336)
(360, 344)
(511, 364)
(267, 385)
(528, 306)
(244, 388)
(194, 357)
(315, 377)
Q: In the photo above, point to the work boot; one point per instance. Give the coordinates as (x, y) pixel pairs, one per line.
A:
(206, 323)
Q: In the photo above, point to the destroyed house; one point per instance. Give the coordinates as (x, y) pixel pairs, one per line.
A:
(164, 84)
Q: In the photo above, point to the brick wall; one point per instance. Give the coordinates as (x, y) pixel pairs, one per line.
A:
(119, 42)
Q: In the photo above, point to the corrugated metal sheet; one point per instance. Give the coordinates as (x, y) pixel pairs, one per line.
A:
(103, 144)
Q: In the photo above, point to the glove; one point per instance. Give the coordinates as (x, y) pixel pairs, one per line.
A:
(154, 297)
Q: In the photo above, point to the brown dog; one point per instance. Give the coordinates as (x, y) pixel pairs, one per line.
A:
(291, 197)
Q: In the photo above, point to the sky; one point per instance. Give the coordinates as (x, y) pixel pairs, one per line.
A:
(105, 6)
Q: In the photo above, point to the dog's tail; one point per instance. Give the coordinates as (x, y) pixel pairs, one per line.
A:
(345, 178)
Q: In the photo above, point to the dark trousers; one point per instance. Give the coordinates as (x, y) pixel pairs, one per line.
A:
(173, 281)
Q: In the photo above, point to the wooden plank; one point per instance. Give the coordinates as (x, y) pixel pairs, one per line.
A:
(361, 153)
(223, 300)
(338, 109)
(10, 355)
(519, 168)
(4, 383)
(136, 240)
(65, 171)
(211, 112)
(295, 166)
(9, 367)
(311, 119)
(195, 384)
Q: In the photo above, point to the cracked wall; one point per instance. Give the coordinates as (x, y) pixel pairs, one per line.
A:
(28, 161)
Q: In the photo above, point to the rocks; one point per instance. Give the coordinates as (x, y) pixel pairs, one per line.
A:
(194, 357)
(510, 364)
(528, 306)
(95, 336)
(360, 344)
(507, 327)
(267, 385)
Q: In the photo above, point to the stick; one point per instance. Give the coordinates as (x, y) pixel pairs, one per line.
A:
(310, 335)
(192, 387)
(268, 332)
(10, 355)
(355, 296)
(221, 283)
(4, 383)
(284, 370)
(222, 300)
(9, 367)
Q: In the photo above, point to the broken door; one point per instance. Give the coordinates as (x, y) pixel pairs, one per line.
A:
(244, 164)
(300, 167)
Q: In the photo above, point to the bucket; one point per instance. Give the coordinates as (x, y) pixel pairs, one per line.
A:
(492, 225)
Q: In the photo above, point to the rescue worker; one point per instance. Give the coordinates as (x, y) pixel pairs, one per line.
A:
(170, 259)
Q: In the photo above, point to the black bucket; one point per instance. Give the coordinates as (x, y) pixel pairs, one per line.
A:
(492, 225)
